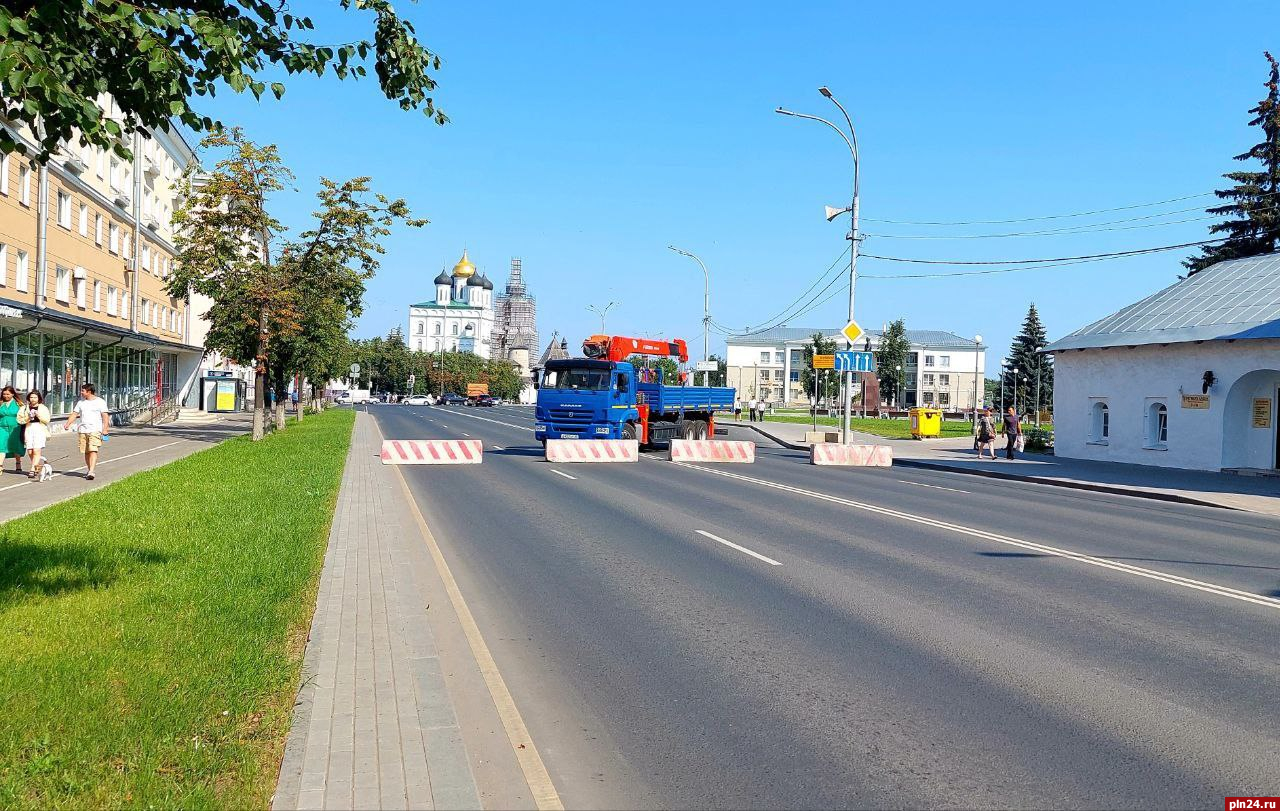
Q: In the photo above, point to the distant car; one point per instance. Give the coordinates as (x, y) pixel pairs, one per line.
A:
(417, 400)
(344, 398)
(482, 400)
(452, 399)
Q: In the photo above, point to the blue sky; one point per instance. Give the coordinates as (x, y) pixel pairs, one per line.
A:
(586, 137)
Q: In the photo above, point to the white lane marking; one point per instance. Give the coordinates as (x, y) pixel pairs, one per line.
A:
(566, 475)
(756, 555)
(497, 422)
(934, 486)
(464, 433)
(100, 464)
(498, 448)
(1152, 574)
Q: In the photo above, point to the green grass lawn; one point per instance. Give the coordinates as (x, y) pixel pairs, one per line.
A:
(894, 429)
(151, 632)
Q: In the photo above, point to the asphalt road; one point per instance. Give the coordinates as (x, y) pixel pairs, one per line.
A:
(872, 638)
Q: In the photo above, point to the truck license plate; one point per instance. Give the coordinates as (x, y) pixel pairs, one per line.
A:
(568, 436)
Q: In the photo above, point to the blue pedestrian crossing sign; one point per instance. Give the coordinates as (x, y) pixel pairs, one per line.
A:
(855, 361)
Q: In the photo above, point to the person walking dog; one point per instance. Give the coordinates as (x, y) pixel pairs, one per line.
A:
(35, 415)
(92, 421)
(1012, 429)
(10, 428)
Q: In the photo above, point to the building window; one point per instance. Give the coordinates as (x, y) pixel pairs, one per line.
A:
(21, 272)
(455, 329)
(97, 230)
(4, 175)
(145, 309)
(944, 398)
(113, 242)
(97, 296)
(24, 185)
(795, 375)
(797, 357)
(437, 344)
(778, 358)
(926, 379)
(146, 258)
(419, 344)
(127, 243)
(64, 210)
(62, 292)
(1157, 425)
(928, 360)
(113, 302)
(944, 361)
(764, 375)
(1099, 423)
(81, 290)
(84, 220)
(927, 398)
(422, 328)
(437, 332)
(944, 380)
(4, 268)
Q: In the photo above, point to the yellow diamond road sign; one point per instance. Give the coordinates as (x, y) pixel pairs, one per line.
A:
(852, 331)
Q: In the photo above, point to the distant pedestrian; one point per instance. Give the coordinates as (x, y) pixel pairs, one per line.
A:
(36, 433)
(986, 436)
(92, 422)
(737, 410)
(1012, 430)
(293, 398)
(751, 410)
(10, 429)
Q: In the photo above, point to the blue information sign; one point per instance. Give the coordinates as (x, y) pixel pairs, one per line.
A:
(855, 362)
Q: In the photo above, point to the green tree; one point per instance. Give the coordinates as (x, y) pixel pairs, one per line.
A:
(892, 353)
(1253, 224)
(1025, 356)
(720, 377)
(58, 57)
(828, 379)
(668, 366)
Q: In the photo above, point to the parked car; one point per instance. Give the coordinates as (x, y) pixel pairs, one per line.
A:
(417, 400)
(483, 400)
(452, 399)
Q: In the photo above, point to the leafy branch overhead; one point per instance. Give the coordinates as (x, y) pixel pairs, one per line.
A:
(58, 58)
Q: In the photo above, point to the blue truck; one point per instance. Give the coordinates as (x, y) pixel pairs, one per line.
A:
(602, 396)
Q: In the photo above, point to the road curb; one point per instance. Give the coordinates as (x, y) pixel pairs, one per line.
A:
(1018, 477)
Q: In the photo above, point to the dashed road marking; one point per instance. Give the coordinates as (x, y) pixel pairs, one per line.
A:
(934, 486)
(756, 555)
(566, 475)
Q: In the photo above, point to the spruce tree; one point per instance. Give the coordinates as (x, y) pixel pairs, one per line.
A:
(1253, 227)
(1024, 356)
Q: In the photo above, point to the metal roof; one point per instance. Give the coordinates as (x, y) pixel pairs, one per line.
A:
(926, 338)
(1236, 299)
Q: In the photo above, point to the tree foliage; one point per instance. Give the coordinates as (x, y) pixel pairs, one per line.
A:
(386, 363)
(828, 379)
(1025, 357)
(58, 57)
(1253, 224)
(668, 366)
(891, 353)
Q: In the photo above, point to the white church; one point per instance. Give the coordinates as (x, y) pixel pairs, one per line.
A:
(460, 319)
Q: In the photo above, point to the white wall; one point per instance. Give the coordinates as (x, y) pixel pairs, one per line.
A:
(1129, 379)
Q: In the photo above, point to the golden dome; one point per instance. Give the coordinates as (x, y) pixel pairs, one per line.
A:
(464, 268)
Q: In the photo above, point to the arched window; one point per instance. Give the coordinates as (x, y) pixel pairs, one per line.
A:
(1099, 423)
(421, 327)
(419, 344)
(437, 342)
(437, 332)
(455, 329)
(1157, 425)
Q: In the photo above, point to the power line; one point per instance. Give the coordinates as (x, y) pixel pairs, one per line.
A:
(786, 314)
(1040, 261)
(1045, 217)
(1079, 229)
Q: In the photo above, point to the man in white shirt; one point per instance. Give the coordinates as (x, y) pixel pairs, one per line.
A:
(92, 422)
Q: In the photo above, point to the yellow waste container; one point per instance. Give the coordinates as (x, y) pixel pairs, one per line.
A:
(926, 422)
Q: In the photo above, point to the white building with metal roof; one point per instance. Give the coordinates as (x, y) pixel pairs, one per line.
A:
(942, 369)
(1188, 377)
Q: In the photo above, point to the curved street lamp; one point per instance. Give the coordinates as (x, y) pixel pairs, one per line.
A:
(706, 303)
(602, 312)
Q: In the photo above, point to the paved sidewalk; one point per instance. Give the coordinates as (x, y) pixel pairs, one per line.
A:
(374, 725)
(130, 450)
(1255, 494)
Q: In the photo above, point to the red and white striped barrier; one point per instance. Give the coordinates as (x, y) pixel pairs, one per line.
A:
(593, 450)
(432, 452)
(712, 450)
(833, 453)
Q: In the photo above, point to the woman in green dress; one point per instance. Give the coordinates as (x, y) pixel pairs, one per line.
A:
(10, 431)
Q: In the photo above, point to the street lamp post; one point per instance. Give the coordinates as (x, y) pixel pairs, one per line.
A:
(851, 140)
(897, 393)
(593, 308)
(706, 307)
(1015, 390)
(977, 403)
(1003, 362)
(1039, 363)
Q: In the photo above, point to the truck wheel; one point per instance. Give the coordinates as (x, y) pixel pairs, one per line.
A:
(690, 429)
(629, 431)
(700, 429)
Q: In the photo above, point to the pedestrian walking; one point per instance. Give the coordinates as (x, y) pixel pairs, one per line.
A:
(737, 410)
(35, 416)
(751, 410)
(91, 420)
(1012, 430)
(10, 429)
(986, 433)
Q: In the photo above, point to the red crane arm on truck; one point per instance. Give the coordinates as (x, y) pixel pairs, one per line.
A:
(619, 347)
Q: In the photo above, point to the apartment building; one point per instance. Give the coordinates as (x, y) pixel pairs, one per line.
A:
(86, 245)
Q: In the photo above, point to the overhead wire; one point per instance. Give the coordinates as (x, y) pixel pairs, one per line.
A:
(1043, 217)
(1112, 254)
(786, 313)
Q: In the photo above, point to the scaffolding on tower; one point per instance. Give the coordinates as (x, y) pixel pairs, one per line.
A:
(515, 318)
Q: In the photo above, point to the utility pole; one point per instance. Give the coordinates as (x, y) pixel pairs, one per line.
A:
(851, 140)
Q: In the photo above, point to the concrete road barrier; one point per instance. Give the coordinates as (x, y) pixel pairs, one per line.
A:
(432, 452)
(833, 453)
(712, 450)
(593, 450)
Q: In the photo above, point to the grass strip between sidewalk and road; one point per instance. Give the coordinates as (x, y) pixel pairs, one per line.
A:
(892, 429)
(152, 632)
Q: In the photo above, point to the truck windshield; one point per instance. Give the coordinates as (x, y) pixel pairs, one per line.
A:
(581, 379)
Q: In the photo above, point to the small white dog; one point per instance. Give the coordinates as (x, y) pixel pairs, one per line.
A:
(46, 471)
